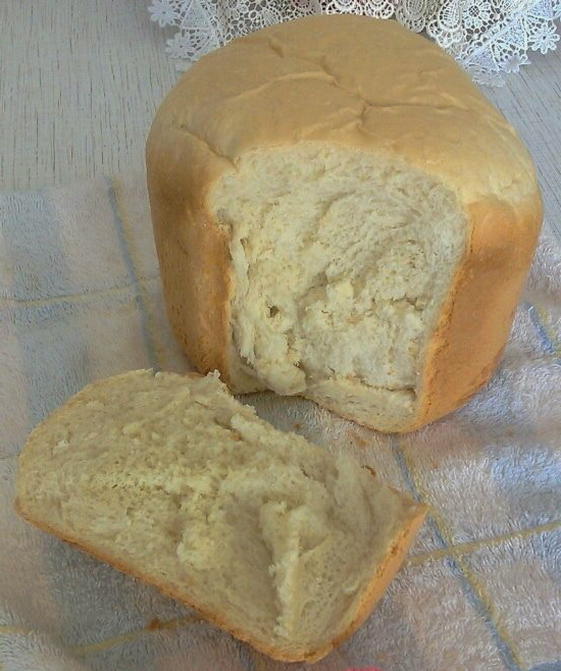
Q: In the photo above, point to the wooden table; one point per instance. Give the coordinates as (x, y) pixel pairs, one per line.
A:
(79, 83)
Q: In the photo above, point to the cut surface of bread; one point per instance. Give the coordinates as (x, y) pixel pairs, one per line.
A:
(341, 263)
(169, 478)
(339, 213)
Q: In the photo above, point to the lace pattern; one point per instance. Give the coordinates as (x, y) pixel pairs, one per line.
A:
(489, 38)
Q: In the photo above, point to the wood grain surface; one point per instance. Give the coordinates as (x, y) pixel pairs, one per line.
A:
(80, 81)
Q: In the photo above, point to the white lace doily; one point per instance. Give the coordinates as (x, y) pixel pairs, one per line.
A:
(487, 37)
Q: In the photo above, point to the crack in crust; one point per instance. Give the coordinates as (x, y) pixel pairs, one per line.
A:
(359, 115)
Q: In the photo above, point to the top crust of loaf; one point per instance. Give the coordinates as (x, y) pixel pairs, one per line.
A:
(384, 89)
(367, 85)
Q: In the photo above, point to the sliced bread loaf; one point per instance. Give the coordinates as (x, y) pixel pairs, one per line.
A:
(170, 479)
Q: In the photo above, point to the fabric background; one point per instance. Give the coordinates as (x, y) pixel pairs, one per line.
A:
(80, 298)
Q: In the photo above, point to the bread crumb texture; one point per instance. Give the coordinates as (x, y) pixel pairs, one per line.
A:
(181, 484)
(342, 260)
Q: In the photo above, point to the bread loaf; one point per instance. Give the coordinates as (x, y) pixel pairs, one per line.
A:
(172, 480)
(339, 213)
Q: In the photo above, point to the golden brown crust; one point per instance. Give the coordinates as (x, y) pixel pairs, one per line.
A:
(201, 251)
(385, 91)
(380, 580)
(475, 323)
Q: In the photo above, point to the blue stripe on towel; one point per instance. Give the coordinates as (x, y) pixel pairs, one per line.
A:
(547, 344)
(455, 568)
(555, 227)
(138, 298)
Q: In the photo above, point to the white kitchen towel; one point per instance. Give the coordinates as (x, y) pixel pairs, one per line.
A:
(80, 299)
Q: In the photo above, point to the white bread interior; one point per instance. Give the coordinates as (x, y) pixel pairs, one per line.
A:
(172, 480)
(341, 263)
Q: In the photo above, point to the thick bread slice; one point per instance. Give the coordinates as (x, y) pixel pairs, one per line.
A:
(340, 214)
(170, 479)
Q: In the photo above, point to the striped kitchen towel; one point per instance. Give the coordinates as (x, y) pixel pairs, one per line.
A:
(80, 298)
